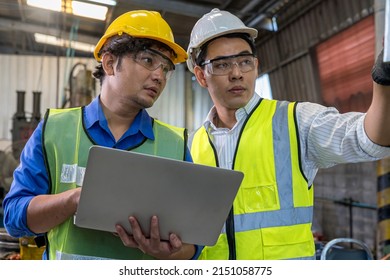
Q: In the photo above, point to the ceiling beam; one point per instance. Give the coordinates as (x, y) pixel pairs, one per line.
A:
(248, 8)
(13, 25)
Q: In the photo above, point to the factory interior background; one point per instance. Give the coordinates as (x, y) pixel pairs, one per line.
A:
(309, 50)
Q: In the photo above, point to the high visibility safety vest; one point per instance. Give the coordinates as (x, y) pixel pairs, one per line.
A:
(69, 151)
(272, 213)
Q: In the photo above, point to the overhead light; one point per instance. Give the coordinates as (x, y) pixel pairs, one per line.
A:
(269, 24)
(104, 2)
(78, 8)
(89, 10)
(265, 22)
(52, 40)
(53, 5)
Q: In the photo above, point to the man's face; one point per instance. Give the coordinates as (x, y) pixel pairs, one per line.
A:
(233, 87)
(139, 80)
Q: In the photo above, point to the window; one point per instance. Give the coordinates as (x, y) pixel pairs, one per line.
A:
(263, 86)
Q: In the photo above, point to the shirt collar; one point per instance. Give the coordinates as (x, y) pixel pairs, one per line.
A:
(94, 115)
(91, 113)
(145, 124)
(241, 114)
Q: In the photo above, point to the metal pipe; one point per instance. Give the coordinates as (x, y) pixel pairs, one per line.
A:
(36, 114)
(20, 114)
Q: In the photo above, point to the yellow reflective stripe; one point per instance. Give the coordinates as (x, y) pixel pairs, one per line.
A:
(383, 197)
(384, 230)
(383, 166)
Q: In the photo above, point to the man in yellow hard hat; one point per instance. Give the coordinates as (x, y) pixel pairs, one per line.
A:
(136, 55)
(278, 145)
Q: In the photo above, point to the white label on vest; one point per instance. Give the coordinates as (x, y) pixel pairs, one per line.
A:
(68, 173)
(71, 173)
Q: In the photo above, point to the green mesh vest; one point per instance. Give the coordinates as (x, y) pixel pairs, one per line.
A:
(66, 144)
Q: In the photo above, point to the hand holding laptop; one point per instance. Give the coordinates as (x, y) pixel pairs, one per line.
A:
(153, 245)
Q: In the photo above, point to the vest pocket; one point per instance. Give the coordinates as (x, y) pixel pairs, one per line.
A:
(288, 242)
(260, 198)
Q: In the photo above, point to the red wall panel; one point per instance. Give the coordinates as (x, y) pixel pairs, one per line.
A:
(345, 63)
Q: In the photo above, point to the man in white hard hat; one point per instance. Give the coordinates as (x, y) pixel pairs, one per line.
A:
(137, 55)
(279, 145)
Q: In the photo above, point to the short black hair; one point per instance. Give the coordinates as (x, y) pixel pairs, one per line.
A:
(203, 49)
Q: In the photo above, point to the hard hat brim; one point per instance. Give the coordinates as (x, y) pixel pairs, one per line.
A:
(181, 54)
(250, 31)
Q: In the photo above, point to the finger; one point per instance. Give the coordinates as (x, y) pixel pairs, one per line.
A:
(175, 242)
(139, 238)
(136, 230)
(127, 239)
(154, 232)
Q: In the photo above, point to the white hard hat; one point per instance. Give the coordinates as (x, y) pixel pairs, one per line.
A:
(214, 24)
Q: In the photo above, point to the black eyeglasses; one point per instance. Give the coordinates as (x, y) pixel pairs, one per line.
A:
(152, 60)
(223, 65)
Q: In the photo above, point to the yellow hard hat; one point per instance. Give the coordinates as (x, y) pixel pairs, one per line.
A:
(143, 24)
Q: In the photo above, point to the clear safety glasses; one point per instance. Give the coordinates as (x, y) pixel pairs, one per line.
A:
(223, 65)
(152, 60)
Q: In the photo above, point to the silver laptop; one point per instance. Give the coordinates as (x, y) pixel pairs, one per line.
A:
(191, 200)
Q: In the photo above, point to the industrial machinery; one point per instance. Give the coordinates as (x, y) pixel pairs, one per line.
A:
(80, 92)
(22, 128)
(81, 87)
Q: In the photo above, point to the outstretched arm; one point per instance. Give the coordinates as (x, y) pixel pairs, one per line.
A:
(377, 121)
